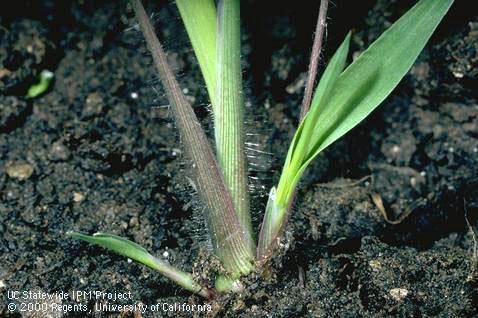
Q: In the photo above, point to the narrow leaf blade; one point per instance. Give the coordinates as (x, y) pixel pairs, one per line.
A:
(138, 253)
(117, 244)
(229, 113)
(326, 86)
(199, 17)
(355, 94)
(279, 201)
(377, 71)
(301, 146)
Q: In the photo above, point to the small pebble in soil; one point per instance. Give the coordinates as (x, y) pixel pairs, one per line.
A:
(78, 197)
(2, 284)
(458, 74)
(297, 85)
(133, 222)
(375, 265)
(238, 305)
(413, 182)
(4, 72)
(20, 171)
(93, 105)
(134, 95)
(58, 152)
(395, 149)
(398, 294)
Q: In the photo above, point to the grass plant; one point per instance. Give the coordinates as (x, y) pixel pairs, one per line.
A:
(344, 96)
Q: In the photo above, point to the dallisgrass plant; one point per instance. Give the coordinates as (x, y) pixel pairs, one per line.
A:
(344, 97)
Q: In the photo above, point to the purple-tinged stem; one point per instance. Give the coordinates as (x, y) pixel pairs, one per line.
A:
(314, 58)
(229, 238)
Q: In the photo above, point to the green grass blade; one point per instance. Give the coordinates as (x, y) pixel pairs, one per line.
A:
(228, 116)
(199, 18)
(340, 103)
(277, 204)
(324, 90)
(369, 79)
(301, 146)
(229, 238)
(221, 67)
(138, 253)
(377, 71)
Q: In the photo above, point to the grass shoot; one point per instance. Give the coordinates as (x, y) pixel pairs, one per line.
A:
(344, 97)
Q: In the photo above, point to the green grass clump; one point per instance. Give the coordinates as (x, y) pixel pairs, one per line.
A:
(344, 97)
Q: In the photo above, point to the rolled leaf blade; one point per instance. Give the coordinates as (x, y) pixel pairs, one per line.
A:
(365, 83)
(277, 205)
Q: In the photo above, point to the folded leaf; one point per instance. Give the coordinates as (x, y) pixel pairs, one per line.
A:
(229, 111)
(341, 102)
(364, 84)
(199, 18)
(299, 152)
(377, 71)
(138, 253)
(230, 241)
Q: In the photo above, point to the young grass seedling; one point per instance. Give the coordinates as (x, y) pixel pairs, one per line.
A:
(343, 98)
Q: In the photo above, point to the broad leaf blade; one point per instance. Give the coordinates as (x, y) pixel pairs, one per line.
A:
(377, 71)
(301, 147)
(355, 94)
(118, 245)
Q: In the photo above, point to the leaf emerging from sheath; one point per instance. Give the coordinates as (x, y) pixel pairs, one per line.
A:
(344, 99)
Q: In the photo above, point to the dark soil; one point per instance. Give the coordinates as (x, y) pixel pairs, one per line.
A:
(98, 152)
